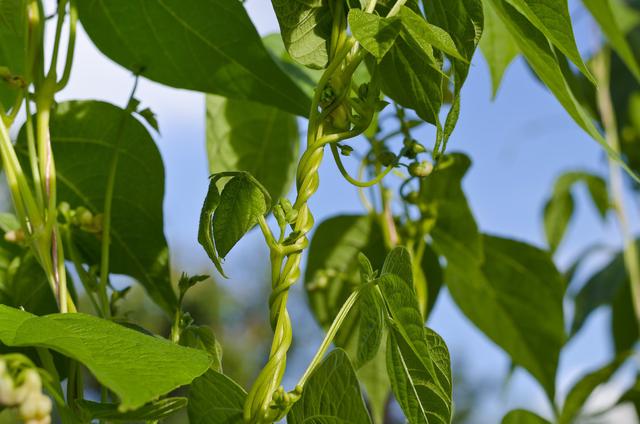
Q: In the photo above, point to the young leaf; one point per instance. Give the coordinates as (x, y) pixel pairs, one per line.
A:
(417, 359)
(205, 227)
(377, 34)
(409, 78)
(521, 416)
(306, 30)
(242, 202)
(13, 50)
(342, 403)
(463, 20)
(603, 14)
(153, 411)
(86, 136)
(425, 34)
(215, 399)
(543, 60)
(251, 137)
(581, 391)
(211, 47)
(370, 306)
(111, 352)
(522, 288)
(497, 45)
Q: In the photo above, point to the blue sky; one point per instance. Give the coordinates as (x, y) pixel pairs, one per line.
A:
(518, 143)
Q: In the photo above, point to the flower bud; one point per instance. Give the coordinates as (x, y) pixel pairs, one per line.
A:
(420, 169)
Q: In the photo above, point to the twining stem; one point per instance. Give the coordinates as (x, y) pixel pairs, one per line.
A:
(602, 71)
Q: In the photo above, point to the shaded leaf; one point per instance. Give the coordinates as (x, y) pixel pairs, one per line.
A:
(521, 416)
(522, 288)
(110, 351)
(13, 49)
(213, 48)
(86, 136)
(215, 399)
(205, 226)
(343, 403)
(251, 137)
(108, 411)
(201, 337)
(371, 325)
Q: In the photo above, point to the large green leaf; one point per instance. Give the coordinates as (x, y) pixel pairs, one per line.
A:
(86, 137)
(551, 18)
(136, 367)
(522, 288)
(581, 391)
(331, 395)
(203, 45)
(464, 21)
(248, 136)
(497, 45)
(521, 416)
(306, 30)
(602, 12)
(543, 60)
(13, 49)
(559, 208)
(242, 202)
(417, 358)
(215, 399)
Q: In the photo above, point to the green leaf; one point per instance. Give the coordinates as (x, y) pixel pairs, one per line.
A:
(242, 202)
(497, 45)
(398, 262)
(551, 18)
(375, 33)
(463, 20)
(86, 136)
(111, 352)
(375, 381)
(522, 288)
(342, 403)
(215, 399)
(409, 78)
(306, 30)
(602, 12)
(332, 267)
(13, 50)
(455, 234)
(29, 288)
(370, 332)
(581, 391)
(521, 416)
(543, 60)
(207, 46)
(155, 410)
(201, 337)
(431, 269)
(624, 324)
(205, 226)
(248, 136)
(425, 34)
(417, 358)
(559, 208)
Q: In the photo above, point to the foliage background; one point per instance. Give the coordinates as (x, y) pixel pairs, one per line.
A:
(519, 143)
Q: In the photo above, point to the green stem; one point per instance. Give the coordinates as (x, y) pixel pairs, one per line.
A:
(73, 21)
(607, 112)
(345, 174)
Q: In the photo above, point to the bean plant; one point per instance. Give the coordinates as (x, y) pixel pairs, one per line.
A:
(358, 78)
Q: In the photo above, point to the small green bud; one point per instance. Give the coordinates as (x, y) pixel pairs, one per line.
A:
(363, 91)
(413, 197)
(420, 169)
(345, 150)
(387, 158)
(64, 208)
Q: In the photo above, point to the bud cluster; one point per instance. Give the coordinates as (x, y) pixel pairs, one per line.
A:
(24, 392)
(82, 217)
